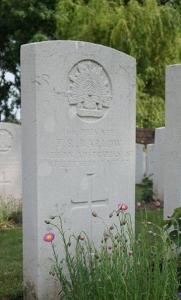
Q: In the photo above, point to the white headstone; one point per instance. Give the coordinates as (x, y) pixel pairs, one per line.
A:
(172, 162)
(158, 178)
(140, 163)
(10, 161)
(78, 109)
(150, 157)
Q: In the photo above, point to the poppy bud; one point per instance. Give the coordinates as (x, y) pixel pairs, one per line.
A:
(94, 214)
(47, 222)
(110, 215)
(81, 238)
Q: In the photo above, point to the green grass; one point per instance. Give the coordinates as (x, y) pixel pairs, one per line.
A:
(11, 250)
(145, 214)
(11, 264)
(148, 212)
(144, 268)
(138, 192)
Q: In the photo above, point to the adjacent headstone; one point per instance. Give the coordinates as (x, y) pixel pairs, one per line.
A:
(150, 158)
(10, 161)
(78, 109)
(140, 163)
(158, 178)
(172, 160)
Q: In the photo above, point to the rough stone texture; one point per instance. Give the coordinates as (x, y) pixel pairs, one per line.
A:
(158, 178)
(140, 163)
(150, 160)
(172, 170)
(78, 110)
(10, 161)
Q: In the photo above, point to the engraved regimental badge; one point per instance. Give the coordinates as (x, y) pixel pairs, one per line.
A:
(89, 89)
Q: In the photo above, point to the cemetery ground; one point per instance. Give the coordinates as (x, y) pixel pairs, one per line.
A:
(11, 242)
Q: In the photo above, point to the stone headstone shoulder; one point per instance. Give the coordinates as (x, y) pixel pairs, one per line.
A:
(78, 111)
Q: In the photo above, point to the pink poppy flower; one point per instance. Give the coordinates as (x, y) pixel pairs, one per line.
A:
(122, 206)
(49, 237)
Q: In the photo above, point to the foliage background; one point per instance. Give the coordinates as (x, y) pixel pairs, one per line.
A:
(149, 30)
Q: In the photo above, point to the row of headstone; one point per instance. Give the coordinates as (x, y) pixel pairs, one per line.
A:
(140, 163)
(167, 154)
(78, 116)
(150, 163)
(78, 109)
(145, 162)
(10, 162)
(150, 160)
(158, 176)
(164, 157)
(172, 149)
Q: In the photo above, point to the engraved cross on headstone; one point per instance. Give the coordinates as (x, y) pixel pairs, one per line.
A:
(3, 183)
(91, 202)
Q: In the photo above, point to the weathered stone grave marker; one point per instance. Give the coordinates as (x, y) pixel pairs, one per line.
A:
(172, 159)
(158, 177)
(10, 161)
(140, 163)
(150, 160)
(3, 183)
(78, 110)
